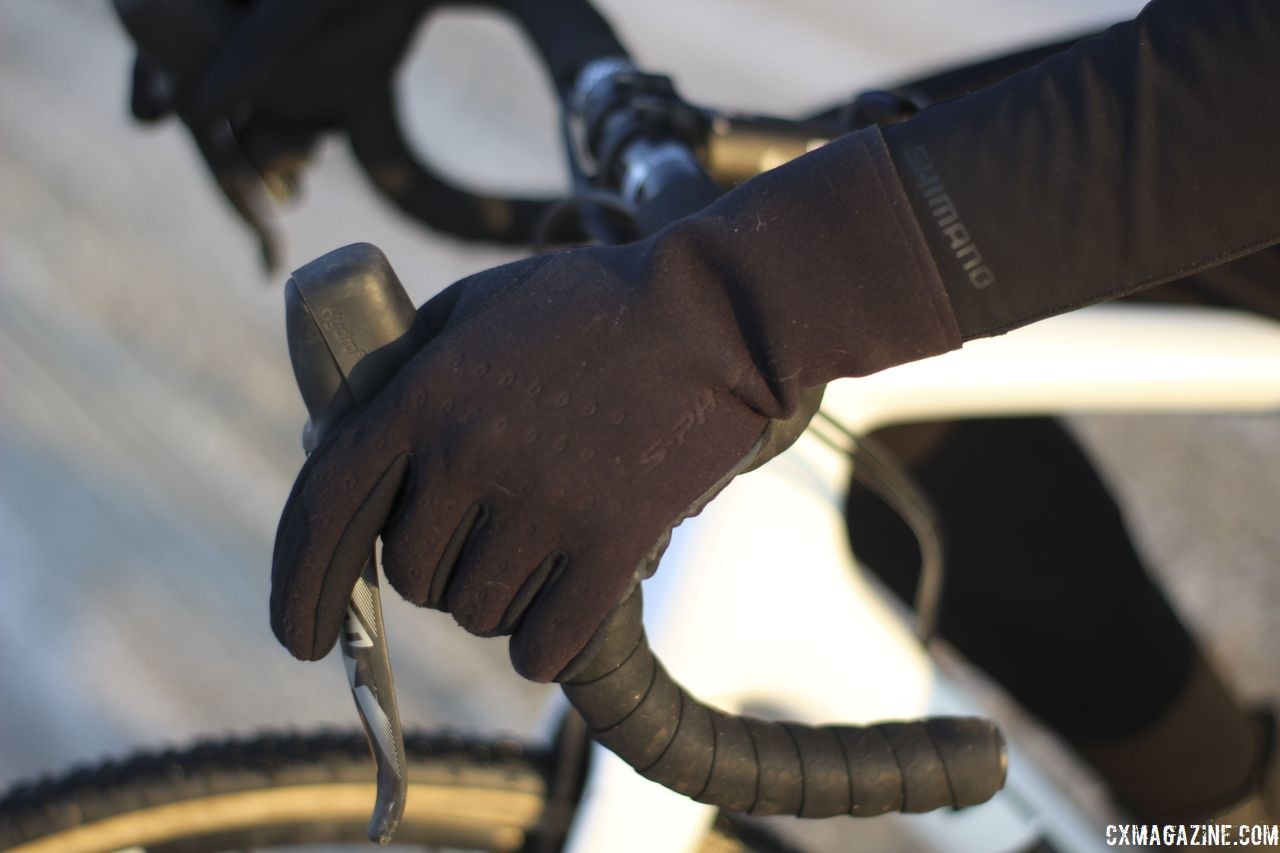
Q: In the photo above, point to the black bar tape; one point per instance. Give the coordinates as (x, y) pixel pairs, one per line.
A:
(971, 751)
(780, 785)
(568, 34)
(924, 779)
(685, 766)
(644, 735)
(613, 643)
(632, 706)
(629, 685)
(734, 768)
(876, 784)
(378, 142)
(822, 763)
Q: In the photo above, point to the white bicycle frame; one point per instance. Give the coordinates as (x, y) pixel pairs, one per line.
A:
(759, 608)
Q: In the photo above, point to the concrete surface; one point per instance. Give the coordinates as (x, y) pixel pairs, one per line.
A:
(148, 420)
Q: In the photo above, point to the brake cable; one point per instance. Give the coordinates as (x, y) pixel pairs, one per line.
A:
(875, 467)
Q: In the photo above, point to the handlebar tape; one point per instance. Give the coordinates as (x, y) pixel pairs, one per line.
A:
(632, 706)
(379, 145)
(568, 34)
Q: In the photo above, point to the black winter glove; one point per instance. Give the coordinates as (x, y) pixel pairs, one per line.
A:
(529, 463)
(258, 82)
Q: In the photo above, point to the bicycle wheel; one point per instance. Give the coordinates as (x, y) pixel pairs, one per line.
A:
(292, 790)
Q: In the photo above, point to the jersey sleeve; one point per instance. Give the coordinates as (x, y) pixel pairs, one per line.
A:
(1143, 154)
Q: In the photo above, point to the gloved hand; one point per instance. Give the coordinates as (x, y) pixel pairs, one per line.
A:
(529, 463)
(257, 83)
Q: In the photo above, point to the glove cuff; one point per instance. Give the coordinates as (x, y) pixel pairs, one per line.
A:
(825, 268)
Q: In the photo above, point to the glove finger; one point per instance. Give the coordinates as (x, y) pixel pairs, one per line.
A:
(422, 547)
(151, 91)
(327, 532)
(500, 570)
(548, 571)
(567, 612)
(565, 615)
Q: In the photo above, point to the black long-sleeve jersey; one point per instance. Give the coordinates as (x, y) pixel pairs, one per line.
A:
(1141, 155)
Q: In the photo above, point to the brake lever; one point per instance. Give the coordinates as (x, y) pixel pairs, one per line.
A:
(351, 326)
(364, 652)
(248, 192)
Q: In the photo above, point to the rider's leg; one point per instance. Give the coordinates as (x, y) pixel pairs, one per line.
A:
(1046, 592)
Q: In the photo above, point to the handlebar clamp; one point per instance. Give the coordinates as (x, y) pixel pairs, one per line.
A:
(615, 105)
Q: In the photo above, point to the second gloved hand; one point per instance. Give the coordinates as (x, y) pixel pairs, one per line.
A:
(529, 463)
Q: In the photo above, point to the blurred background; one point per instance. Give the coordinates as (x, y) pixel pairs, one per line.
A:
(149, 425)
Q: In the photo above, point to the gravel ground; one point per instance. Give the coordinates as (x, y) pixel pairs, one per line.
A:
(148, 421)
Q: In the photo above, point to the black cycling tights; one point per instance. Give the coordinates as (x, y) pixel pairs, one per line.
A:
(1044, 588)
